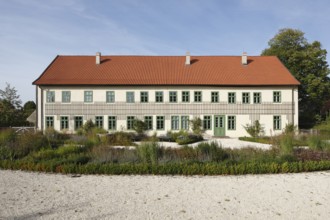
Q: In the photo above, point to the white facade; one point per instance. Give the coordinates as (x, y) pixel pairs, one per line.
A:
(235, 115)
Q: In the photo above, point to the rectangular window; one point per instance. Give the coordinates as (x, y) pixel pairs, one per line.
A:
(49, 122)
(112, 123)
(185, 96)
(66, 96)
(257, 98)
(231, 122)
(78, 122)
(144, 97)
(277, 122)
(173, 96)
(64, 122)
(110, 96)
(130, 122)
(175, 123)
(160, 123)
(130, 97)
(207, 123)
(185, 122)
(50, 96)
(214, 97)
(148, 121)
(99, 121)
(276, 97)
(246, 98)
(198, 96)
(231, 97)
(159, 96)
(88, 97)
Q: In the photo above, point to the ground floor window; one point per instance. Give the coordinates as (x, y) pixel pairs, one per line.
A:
(207, 123)
(148, 122)
(99, 121)
(175, 123)
(160, 123)
(112, 123)
(130, 122)
(277, 122)
(231, 122)
(78, 122)
(49, 122)
(185, 122)
(64, 122)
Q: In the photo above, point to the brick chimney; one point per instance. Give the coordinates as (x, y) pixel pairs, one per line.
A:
(98, 58)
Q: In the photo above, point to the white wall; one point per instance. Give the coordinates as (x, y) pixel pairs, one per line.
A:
(99, 95)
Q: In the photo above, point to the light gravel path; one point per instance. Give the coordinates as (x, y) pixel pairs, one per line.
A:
(25, 195)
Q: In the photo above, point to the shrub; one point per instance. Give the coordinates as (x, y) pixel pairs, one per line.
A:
(315, 142)
(139, 126)
(148, 152)
(196, 126)
(254, 130)
(120, 138)
(211, 152)
(286, 144)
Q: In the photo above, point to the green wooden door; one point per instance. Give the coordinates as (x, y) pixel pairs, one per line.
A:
(219, 125)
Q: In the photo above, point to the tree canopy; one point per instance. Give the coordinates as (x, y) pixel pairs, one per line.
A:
(307, 62)
(10, 94)
(11, 111)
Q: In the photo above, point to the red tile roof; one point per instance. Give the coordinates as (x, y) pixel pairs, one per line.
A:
(166, 70)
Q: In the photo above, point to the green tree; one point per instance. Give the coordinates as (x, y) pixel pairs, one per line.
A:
(255, 130)
(307, 62)
(196, 125)
(139, 126)
(10, 94)
(9, 115)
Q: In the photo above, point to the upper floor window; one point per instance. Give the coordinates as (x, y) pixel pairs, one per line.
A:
(246, 98)
(144, 97)
(173, 96)
(110, 96)
(50, 96)
(159, 96)
(66, 96)
(214, 97)
(198, 96)
(257, 98)
(277, 97)
(185, 96)
(232, 97)
(130, 97)
(88, 96)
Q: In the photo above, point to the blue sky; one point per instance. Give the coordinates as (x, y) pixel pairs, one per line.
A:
(33, 32)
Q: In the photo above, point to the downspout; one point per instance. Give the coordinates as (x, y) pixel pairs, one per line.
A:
(42, 109)
(293, 106)
(37, 115)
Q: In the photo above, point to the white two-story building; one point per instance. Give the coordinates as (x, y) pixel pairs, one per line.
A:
(226, 92)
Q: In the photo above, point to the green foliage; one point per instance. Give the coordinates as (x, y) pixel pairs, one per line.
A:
(148, 152)
(290, 129)
(254, 130)
(183, 137)
(120, 138)
(196, 126)
(139, 126)
(307, 62)
(286, 144)
(211, 152)
(10, 94)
